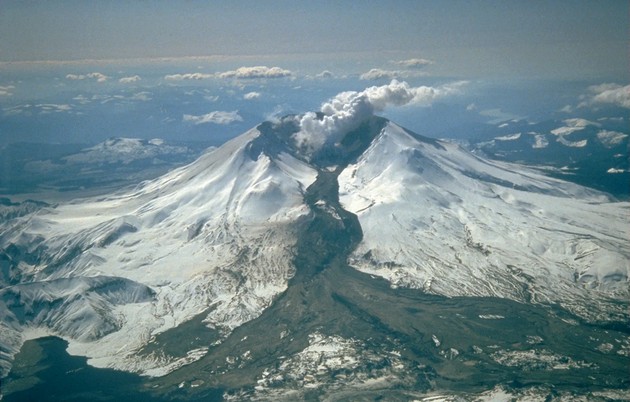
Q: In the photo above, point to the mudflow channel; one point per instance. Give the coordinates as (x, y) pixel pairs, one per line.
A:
(415, 341)
(419, 342)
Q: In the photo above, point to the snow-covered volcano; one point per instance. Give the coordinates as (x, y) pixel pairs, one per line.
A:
(217, 238)
(438, 218)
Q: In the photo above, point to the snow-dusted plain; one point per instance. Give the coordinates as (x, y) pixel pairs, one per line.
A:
(125, 151)
(325, 363)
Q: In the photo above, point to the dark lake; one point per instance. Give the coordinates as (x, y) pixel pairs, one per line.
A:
(44, 371)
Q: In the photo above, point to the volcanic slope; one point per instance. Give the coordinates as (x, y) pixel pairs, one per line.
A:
(245, 256)
(440, 219)
(215, 237)
(339, 334)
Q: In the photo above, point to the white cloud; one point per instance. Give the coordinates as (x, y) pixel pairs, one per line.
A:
(603, 87)
(216, 117)
(325, 74)
(410, 64)
(611, 94)
(82, 99)
(97, 76)
(567, 109)
(188, 76)
(251, 95)
(41, 108)
(348, 109)
(277, 113)
(256, 72)
(414, 63)
(46, 108)
(378, 73)
(6, 90)
(141, 96)
(497, 115)
(128, 80)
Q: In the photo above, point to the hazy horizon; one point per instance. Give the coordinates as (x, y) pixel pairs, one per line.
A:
(507, 39)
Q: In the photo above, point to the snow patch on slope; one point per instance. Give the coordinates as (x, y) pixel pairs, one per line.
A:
(540, 142)
(124, 150)
(509, 137)
(328, 363)
(611, 138)
(573, 144)
(573, 125)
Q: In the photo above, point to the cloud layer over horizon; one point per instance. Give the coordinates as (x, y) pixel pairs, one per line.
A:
(240, 73)
(614, 94)
(129, 80)
(6, 90)
(99, 77)
(414, 63)
(216, 117)
(256, 72)
(378, 73)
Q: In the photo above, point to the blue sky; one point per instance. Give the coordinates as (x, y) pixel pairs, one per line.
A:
(539, 39)
(83, 71)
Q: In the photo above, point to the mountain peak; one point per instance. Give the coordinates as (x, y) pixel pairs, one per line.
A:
(285, 135)
(287, 219)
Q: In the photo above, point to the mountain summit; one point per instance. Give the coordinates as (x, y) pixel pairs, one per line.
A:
(328, 250)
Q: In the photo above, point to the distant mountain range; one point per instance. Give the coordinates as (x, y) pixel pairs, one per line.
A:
(36, 168)
(591, 153)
